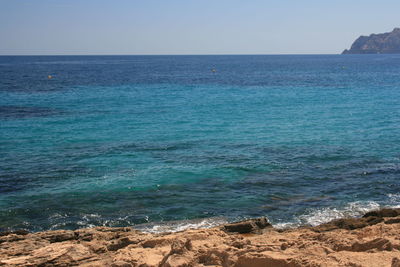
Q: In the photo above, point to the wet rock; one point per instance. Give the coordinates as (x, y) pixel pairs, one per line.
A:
(20, 232)
(348, 224)
(372, 220)
(249, 226)
(262, 222)
(5, 233)
(115, 229)
(16, 232)
(383, 213)
(392, 221)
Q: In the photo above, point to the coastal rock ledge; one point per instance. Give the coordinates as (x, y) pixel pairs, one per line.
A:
(383, 43)
(373, 240)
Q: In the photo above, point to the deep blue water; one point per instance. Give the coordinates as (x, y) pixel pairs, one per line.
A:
(127, 140)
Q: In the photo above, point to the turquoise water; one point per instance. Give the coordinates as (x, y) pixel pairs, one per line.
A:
(130, 140)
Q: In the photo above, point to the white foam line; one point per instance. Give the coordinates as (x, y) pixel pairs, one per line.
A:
(178, 226)
(324, 215)
(312, 217)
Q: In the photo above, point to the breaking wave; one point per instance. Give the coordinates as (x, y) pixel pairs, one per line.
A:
(177, 226)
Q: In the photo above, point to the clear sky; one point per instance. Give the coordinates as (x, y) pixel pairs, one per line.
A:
(190, 26)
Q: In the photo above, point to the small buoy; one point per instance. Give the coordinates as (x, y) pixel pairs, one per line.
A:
(49, 77)
(214, 70)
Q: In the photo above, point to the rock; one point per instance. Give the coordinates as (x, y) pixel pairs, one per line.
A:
(154, 242)
(383, 43)
(180, 246)
(383, 213)
(178, 261)
(392, 221)
(262, 222)
(11, 238)
(5, 233)
(348, 224)
(52, 255)
(121, 243)
(179, 255)
(121, 264)
(249, 226)
(96, 247)
(59, 236)
(210, 259)
(84, 236)
(378, 243)
(114, 229)
(21, 232)
(265, 260)
(395, 262)
(16, 232)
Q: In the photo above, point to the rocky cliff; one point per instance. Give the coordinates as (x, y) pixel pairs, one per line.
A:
(383, 43)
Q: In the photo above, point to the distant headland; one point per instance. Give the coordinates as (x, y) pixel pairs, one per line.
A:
(382, 43)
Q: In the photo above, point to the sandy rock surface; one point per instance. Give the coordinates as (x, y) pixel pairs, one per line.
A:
(373, 240)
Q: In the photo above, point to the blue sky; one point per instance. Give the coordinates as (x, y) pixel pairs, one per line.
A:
(190, 26)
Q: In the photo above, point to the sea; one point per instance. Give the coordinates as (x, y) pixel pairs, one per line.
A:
(165, 143)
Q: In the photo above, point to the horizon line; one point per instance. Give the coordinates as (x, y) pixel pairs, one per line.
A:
(282, 54)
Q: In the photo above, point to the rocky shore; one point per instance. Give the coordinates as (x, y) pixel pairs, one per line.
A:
(373, 240)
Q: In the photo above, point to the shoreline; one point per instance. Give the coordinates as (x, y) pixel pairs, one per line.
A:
(313, 217)
(372, 240)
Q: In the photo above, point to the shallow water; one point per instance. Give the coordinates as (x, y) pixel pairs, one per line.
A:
(129, 140)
